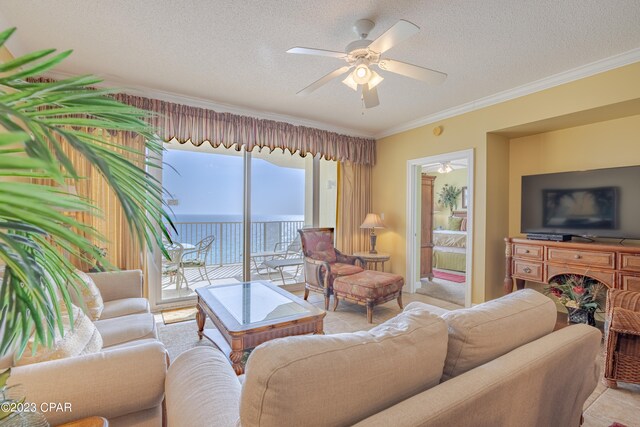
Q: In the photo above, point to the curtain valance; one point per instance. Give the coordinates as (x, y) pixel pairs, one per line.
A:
(199, 125)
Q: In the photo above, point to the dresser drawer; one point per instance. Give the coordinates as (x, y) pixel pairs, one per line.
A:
(630, 262)
(528, 251)
(527, 270)
(578, 257)
(630, 282)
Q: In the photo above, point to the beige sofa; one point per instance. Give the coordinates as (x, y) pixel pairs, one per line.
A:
(496, 364)
(125, 381)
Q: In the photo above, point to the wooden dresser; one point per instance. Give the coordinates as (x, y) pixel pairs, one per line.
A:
(615, 265)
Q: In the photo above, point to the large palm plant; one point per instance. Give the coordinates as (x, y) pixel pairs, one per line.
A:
(42, 121)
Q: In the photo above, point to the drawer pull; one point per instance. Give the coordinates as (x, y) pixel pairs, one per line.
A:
(576, 256)
(526, 251)
(527, 270)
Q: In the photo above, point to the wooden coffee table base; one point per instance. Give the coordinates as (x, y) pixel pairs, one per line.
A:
(234, 344)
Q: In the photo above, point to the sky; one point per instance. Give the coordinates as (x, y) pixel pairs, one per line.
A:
(211, 184)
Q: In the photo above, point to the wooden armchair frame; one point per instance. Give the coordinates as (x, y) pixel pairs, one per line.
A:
(317, 273)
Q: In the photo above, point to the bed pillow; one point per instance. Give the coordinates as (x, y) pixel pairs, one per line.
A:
(454, 223)
(463, 224)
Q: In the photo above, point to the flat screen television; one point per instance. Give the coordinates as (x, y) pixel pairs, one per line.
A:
(593, 203)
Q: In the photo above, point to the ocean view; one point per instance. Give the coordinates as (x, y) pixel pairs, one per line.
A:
(266, 231)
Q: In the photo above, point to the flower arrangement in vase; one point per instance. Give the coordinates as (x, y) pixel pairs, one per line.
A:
(579, 294)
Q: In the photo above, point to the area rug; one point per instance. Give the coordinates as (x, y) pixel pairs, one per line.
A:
(452, 277)
(179, 315)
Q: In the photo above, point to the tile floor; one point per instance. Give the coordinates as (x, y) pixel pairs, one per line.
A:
(603, 407)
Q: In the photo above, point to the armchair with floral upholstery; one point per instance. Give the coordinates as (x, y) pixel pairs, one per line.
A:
(323, 262)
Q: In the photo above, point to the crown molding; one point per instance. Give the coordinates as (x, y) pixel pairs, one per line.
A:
(192, 101)
(578, 73)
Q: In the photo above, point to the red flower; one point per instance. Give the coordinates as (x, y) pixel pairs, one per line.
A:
(556, 292)
(579, 290)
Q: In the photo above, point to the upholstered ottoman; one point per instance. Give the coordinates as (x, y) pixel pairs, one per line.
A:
(368, 288)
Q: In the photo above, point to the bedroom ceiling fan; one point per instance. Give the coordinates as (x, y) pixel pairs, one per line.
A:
(362, 55)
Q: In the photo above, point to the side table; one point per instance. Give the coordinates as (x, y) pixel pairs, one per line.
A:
(374, 258)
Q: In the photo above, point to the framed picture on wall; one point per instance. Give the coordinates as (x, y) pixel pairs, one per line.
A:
(465, 197)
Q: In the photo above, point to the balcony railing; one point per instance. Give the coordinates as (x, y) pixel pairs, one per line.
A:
(227, 247)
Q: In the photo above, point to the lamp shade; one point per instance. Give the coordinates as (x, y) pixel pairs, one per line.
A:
(372, 220)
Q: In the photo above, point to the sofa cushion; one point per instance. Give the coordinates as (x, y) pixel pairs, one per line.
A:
(430, 308)
(202, 390)
(487, 331)
(127, 328)
(80, 338)
(342, 269)
(88, 296)
(124, 307)
(319, 380)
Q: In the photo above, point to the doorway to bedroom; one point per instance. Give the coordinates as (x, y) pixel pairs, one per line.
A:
(440, 227)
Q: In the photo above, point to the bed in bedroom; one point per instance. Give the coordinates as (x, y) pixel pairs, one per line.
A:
(450, 246)
(450, 250)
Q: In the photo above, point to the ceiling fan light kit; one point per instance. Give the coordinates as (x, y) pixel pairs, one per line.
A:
(361, 55)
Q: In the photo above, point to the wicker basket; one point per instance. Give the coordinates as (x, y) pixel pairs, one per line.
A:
(622, 352)
(626, 368)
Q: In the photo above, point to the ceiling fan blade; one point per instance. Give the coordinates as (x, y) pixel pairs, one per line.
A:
(370, 97)
(413, 71)
(401, 31)
(324, 80)
(316, 52)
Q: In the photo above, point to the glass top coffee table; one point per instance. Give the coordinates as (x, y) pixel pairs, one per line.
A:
(250, 313)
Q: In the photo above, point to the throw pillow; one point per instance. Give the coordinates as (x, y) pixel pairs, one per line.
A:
(454, 223)
(90, 298)
(463, 224)
(81, 338)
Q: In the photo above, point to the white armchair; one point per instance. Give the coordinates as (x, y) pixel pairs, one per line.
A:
(124, 382)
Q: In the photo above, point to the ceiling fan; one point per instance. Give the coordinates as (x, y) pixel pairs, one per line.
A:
(361, 55)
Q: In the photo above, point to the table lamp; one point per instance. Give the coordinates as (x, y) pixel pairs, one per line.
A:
(372, 221)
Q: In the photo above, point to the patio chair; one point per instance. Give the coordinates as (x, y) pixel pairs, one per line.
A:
(281, 250)
(622, 350)
(323, 263)
(198, 257)
(289, 259)
(172, 267)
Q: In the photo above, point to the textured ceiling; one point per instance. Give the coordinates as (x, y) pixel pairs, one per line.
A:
(233, 52)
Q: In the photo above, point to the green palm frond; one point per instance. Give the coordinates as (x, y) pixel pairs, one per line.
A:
(42, 121)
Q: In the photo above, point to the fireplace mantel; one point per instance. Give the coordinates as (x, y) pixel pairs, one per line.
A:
(615, 265)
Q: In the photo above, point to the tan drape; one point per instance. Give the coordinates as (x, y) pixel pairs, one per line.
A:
(354, 202)
(122, 249)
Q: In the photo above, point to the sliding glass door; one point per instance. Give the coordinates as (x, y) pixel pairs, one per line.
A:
(215, 193)
(281, 203)
(205, 189)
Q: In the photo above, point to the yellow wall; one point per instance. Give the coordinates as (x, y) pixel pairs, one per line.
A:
(483, 130)
(456, 178)
(598, 145)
